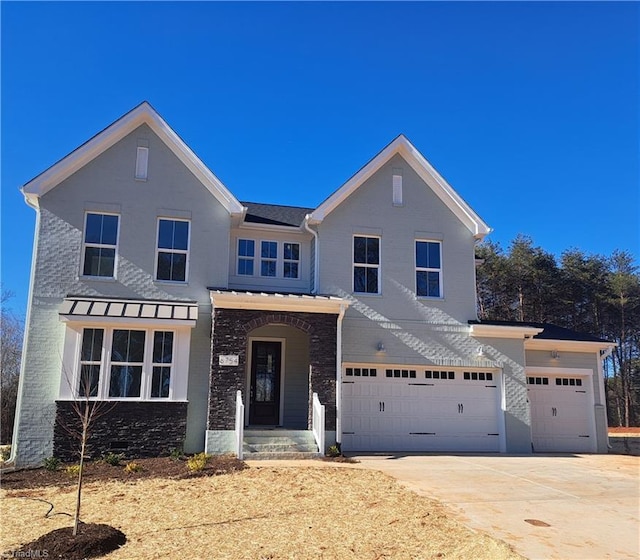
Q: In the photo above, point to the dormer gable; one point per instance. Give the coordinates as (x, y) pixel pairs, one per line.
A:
(142, 114)
(402, 146)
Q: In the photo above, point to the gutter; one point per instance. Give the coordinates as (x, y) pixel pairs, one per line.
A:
(343, 309)
(316, 260)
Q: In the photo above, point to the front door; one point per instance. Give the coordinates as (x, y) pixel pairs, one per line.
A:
(264, 407)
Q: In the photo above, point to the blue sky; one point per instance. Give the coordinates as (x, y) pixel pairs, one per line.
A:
(529, 110)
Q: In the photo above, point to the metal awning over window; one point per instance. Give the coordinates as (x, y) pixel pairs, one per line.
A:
(134, 311)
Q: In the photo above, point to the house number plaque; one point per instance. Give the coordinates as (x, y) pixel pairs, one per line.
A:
(228, 360)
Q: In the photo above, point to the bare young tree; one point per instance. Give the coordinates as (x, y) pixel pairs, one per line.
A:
(87, 409)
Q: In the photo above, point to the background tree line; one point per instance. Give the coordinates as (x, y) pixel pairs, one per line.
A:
(594, 294)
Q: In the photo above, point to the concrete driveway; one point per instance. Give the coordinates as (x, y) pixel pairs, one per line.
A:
(577, 506)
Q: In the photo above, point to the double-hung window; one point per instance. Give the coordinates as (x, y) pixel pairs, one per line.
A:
(90, 360)
(366, 264)
(100, 244)
(173, 250)
(246, 253)
(429, 269)
(291, 260)
(268, 258)
(127, 359)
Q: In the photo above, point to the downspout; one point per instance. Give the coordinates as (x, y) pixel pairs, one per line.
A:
(343, 308)
(25, 338)
(602, 356)
(316, 261)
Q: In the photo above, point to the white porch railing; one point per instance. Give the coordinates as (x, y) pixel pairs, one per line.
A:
(317, 423)
(239, 424)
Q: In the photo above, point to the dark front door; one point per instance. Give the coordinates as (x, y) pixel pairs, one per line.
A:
(264, 405)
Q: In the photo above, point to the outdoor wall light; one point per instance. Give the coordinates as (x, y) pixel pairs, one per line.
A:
(381, 347)
(554, 354)
(480, 352)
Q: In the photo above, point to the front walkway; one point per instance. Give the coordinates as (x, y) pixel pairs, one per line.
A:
(565, 507)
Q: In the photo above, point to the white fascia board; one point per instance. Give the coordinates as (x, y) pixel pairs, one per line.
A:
(277, 302)
(425, 171)
(568, 345)
(296, 230)
(142, 114)
(89, 320)
(500, 331)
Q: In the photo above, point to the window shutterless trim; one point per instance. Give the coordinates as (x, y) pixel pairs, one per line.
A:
(86, 245)
(377, 266)
(428, 269)
(269, 259)
(173, 251)
(245, 258)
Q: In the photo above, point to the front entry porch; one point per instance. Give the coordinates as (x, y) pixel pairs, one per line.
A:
(269, 358)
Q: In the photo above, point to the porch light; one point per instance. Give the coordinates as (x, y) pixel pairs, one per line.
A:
(381, 347)
(554, 354)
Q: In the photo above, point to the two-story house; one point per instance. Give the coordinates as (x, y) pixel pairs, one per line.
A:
(199, 315)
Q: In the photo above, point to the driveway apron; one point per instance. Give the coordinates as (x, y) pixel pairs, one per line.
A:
(546, 506)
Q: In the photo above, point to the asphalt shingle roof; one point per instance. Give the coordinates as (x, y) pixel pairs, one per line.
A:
(275, 214)
(550, 332)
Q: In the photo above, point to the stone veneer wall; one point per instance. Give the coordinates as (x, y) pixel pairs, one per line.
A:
(231, 327)
(137, 429)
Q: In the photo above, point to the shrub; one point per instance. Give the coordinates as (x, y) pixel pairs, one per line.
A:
(333, 451)
(175, 454)
(112, 458)
(133, 467)
(197, 462)
(51, 464)
(73, 470)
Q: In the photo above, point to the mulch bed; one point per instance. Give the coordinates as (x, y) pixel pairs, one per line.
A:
(157, 467)
(92, 540)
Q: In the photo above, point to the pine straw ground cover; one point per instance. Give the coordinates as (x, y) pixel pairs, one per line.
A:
(320, 511)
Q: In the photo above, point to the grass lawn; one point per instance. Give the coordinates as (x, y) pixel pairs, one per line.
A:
(320, 511)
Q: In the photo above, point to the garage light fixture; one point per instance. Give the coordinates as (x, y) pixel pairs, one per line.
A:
(554, 354)
(380, 347)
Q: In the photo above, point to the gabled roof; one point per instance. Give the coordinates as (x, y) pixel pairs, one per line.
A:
(275, 214)
(142, 114)
(425, 171)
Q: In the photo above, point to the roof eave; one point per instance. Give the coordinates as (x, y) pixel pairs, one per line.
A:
(503, 331)
(142, 114)
(569, 345)
(401, 145)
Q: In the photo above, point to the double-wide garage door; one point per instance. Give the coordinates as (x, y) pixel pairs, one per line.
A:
(560, 413)
(420, 410)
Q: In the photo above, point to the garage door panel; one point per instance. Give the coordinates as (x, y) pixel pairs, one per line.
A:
(436, 415)
(560, 414)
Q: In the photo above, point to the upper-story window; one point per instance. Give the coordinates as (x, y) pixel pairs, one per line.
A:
(246, 253)
(100, 245)
(366, 264)
(429, 269)
(172, 255)
(268, 258)
(291, 260)
(276, 259)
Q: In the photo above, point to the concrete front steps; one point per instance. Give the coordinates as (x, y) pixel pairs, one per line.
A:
(279, 444)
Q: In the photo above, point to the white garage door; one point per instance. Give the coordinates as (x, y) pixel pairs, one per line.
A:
(560, 413)
(420, 410)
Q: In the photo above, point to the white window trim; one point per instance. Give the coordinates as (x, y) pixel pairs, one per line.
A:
(176, 251)
(71, 370)
(100, 245)
(428, 269)
(245, 258)
(365, 265)
(270, 259)
(291, 261)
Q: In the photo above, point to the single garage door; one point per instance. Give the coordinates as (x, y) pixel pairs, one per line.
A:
(560, 413)
(398, 409)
